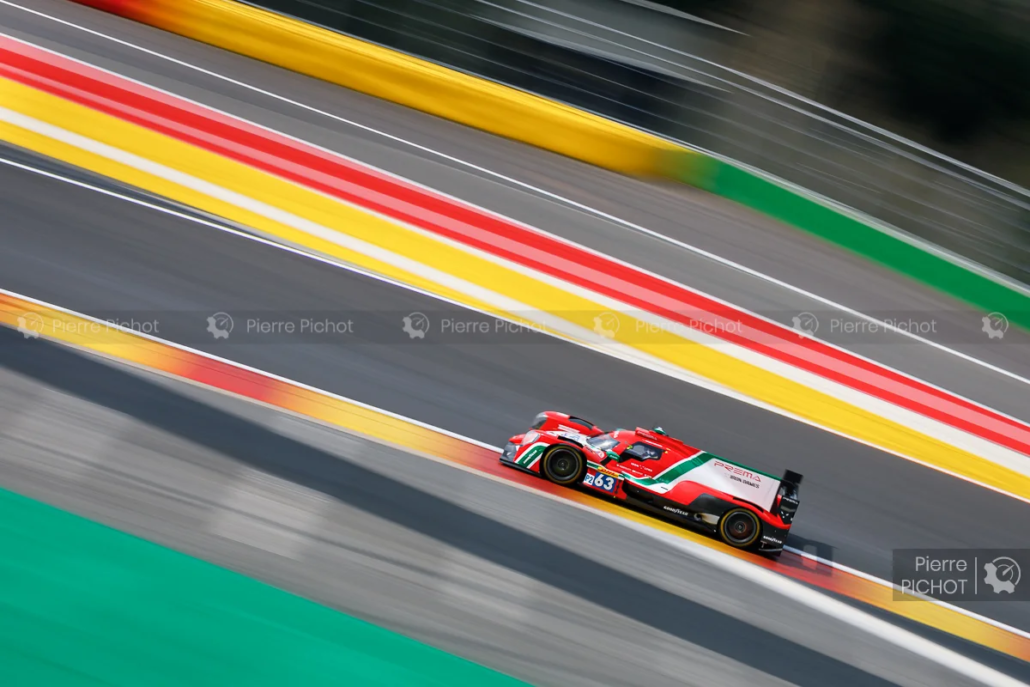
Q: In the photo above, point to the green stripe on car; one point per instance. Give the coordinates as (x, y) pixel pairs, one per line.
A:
(674, 472)
(530, 455)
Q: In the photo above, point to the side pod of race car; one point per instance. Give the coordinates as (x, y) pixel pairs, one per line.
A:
(648, 469)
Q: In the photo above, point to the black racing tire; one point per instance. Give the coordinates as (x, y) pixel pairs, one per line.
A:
(564, 465)
(740, 528)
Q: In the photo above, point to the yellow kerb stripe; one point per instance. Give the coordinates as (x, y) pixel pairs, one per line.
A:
(702, 360)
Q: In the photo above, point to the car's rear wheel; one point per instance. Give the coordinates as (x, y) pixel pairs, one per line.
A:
(740, 528)
(563, 465)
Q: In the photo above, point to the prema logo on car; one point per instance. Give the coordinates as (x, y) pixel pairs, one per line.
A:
(737, 470)
(739, 474)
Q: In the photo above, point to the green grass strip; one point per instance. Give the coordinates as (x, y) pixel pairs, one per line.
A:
(84, 604)
(810, 215)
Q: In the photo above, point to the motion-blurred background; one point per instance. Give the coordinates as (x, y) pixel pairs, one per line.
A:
(175, 164)
(913, 111)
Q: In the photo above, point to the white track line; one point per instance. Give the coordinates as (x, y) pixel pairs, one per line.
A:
(980, 672)
(414, 289)
(1013, 460)
(573, 335)
(834, 608)
(617, 351)
(775, 582)
(548, 194)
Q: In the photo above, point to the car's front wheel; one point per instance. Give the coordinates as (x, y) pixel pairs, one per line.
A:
(563, 465)
(740, 528)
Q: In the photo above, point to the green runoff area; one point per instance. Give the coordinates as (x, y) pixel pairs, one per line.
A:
(890, 249)
(84, 604)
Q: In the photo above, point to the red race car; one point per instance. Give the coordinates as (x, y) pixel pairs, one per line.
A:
(746, 508)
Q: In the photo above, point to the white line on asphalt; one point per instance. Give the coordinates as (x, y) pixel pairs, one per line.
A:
(834, 608)
(553, 196)
(618, 352)
(565, 329)
(406, 419)
(775, 582)
(921, 422)
(966, 441)
(893, 587)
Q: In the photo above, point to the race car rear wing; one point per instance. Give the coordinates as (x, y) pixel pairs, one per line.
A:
(788, 499)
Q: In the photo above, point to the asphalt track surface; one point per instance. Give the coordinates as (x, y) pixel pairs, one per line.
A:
(674, 211)
(104, 256)
(112, 259)
(536, 588)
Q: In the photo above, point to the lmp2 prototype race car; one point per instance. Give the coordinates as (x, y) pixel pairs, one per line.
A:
(648, 469)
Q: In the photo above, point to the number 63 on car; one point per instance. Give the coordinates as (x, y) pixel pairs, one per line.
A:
(648, 469)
